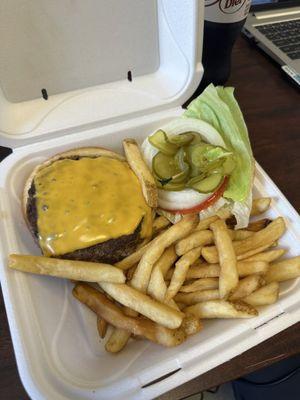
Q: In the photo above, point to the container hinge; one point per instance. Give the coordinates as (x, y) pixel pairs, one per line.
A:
(44, 94)
(161, 378)
(269, 320)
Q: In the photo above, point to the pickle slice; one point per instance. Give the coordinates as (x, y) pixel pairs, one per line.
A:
(196, 179)
(160, 141)
(172, 186)
(210, 167)
(197, 138)
(165, 166)
(181, 158)
(185, 160)
(198, 152)
(208, 184)
(194, 170)
(180, 178)
(182, 139)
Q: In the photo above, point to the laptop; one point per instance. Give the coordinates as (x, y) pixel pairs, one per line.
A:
(274, 25)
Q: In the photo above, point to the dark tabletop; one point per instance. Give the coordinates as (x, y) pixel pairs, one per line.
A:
(271, 106)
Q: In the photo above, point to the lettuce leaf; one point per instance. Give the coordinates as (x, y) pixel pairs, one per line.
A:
(216, 153)
(218, 107)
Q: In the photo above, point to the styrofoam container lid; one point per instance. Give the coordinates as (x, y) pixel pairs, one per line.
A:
(98, 62)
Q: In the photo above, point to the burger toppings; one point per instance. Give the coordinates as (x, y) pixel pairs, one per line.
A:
(190, 163)
(88, 201)
(202, 162)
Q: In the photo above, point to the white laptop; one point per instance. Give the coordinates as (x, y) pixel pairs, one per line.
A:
(274, 25)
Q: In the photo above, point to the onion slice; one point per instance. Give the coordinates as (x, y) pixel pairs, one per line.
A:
(210, 200)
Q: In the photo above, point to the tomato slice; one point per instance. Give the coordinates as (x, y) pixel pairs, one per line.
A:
(206, 203)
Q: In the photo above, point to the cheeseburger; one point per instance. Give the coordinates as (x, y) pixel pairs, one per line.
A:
(86, 204)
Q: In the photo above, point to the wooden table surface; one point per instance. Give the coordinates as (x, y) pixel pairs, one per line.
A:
(271, 107)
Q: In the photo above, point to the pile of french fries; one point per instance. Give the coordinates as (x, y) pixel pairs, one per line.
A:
(187, 272)
(200, 270)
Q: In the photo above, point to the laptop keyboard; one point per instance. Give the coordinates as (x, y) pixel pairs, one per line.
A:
(285, 35)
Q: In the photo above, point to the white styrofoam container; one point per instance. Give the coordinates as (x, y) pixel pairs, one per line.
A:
(58, 351)
(55, 338)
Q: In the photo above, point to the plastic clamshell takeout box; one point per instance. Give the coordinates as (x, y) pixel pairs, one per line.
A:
(58, 351)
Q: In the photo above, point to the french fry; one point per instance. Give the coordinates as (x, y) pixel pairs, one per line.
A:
(194, 239)
(267, 256)
(144, 242)
(104, 308)
(253, 252)
(181, 269)
(169, 275)
(130, 273)
(246, 286)
(267, 235)
(117, 340)
(157, 287)
(69, 269)
(196, 297)
(203, 270)
(250, 246)
(122, 336)
(135, 257)
(260, 205)
(229, 278)
(102, 327)
(265, 295)
(191, 325)
(147, 257)
(167, 260)
(221, 309)
(140, 168)
(258, 225)
(159, 223)
(119, 337)
(205, 223)
(284, 270)
(143, 304)
(224, 213)
(246, 268)
(200, 284)
(181, 306)
(177, 231)
(171, 303)
(240, 234)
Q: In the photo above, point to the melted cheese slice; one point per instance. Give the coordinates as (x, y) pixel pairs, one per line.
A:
(84, 202)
